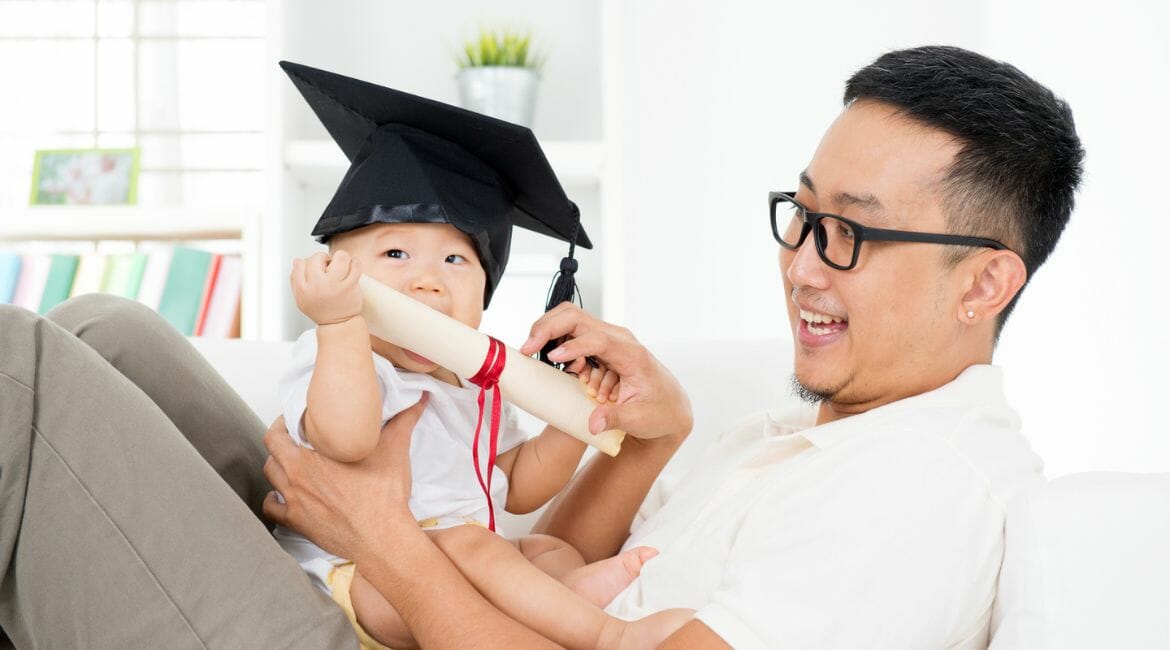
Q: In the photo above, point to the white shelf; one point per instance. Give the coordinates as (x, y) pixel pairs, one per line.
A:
(576, 162)
(122, 222)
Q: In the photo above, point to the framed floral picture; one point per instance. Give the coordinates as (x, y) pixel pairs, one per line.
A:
(85, 177)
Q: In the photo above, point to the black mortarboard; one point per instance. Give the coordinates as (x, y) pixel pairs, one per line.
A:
(414, 159)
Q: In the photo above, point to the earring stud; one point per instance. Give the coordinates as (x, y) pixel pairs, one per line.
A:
(970, 314)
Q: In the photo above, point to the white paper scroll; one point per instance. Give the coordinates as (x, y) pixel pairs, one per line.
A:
(547, 393)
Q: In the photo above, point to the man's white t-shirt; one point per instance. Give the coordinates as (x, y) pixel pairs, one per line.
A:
(880, 530)
(444, 485)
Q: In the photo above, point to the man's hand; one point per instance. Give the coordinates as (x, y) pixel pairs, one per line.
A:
(650, 403)
(331, 502)
(326, 288)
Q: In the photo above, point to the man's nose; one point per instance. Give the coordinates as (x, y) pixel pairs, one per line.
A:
(805, 266)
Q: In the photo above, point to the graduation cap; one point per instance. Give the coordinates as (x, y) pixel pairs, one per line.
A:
(416, 160)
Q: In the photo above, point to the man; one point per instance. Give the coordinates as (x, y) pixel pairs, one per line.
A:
(873, 520)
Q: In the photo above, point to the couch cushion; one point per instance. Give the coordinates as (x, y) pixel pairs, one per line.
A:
(252, 368)
(1087, 565)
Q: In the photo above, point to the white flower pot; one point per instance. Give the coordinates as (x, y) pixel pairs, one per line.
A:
(506, 92)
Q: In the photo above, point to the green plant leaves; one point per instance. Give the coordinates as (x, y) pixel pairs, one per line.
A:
(503, 48)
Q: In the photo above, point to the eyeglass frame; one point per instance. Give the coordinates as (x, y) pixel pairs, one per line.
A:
(864, 233)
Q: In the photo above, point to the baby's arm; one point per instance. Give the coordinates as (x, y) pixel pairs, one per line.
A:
(538, 468)
(343, 416)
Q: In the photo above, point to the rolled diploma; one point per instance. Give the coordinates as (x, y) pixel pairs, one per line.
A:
(547, 393)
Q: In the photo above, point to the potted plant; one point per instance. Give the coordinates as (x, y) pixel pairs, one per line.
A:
(498, 76)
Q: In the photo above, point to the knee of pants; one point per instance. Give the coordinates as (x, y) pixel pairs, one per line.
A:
(97, 312)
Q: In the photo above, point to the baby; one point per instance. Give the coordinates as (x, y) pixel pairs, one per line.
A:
(427, 208)
(338, 395)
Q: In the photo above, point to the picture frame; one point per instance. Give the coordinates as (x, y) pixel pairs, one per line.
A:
(85, 177)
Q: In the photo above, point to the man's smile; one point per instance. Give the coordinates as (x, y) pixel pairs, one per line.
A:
(818, 329)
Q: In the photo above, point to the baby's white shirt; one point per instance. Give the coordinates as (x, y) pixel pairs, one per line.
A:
(444, 484)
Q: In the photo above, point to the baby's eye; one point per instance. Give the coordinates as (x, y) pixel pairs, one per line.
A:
(456, 259)
(397, 254)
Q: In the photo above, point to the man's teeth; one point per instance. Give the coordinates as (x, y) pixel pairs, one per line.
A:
(812, 318)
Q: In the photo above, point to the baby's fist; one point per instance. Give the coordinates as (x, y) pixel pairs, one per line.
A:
(602, 384)
(326, 287)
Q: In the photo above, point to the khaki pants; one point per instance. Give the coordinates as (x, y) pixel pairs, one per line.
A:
(130, 484)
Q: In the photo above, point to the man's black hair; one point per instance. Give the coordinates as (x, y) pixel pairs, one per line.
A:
(1020, 162)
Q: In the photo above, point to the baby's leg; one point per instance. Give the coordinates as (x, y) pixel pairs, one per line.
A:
(501, 573)
(552, 555)
(377, 617)
(599, 582)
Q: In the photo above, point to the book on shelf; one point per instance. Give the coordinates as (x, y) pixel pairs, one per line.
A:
(58, 284)
(185, 290)
(34, 272)
(154, 275)
(90, 268)
(10, 264)
(222, 317)
(205, 299)
(123, 274)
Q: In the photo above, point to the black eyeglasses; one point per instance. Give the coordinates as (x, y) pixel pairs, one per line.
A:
(838, 239)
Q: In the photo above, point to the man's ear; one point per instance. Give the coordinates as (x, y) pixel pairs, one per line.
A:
(994, 277)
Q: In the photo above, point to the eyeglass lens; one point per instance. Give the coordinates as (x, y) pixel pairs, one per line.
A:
(834, 237)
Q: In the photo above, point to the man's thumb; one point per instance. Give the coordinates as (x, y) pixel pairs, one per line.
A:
(604, 418)
(397, 431)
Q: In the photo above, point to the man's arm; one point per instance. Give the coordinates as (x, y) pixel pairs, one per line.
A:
(694, 634)
(359, 510)
(595, 511)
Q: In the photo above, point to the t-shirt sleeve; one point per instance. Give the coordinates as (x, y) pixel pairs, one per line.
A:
(882, 563)
(294, 387)
(397, 395)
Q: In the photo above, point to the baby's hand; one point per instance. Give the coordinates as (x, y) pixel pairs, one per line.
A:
(602, 383)
(326, 288)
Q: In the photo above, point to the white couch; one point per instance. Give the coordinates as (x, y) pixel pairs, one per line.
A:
(1087, 561)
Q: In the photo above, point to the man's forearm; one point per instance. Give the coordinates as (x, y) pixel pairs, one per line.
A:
(425, 588)
(595, 510)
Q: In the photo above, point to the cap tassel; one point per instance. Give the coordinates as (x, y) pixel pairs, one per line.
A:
(564, 285)
(563, 289)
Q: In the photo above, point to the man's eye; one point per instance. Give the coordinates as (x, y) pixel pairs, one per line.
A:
(456, 259)
(397, 254)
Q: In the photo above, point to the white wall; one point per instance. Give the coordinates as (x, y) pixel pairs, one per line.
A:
(412, 46)
(1089, 347)
(721, 102)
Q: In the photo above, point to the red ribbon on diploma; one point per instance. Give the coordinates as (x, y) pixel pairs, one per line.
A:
(487, 379)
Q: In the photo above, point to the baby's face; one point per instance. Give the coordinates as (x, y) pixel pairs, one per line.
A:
(434, 263)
